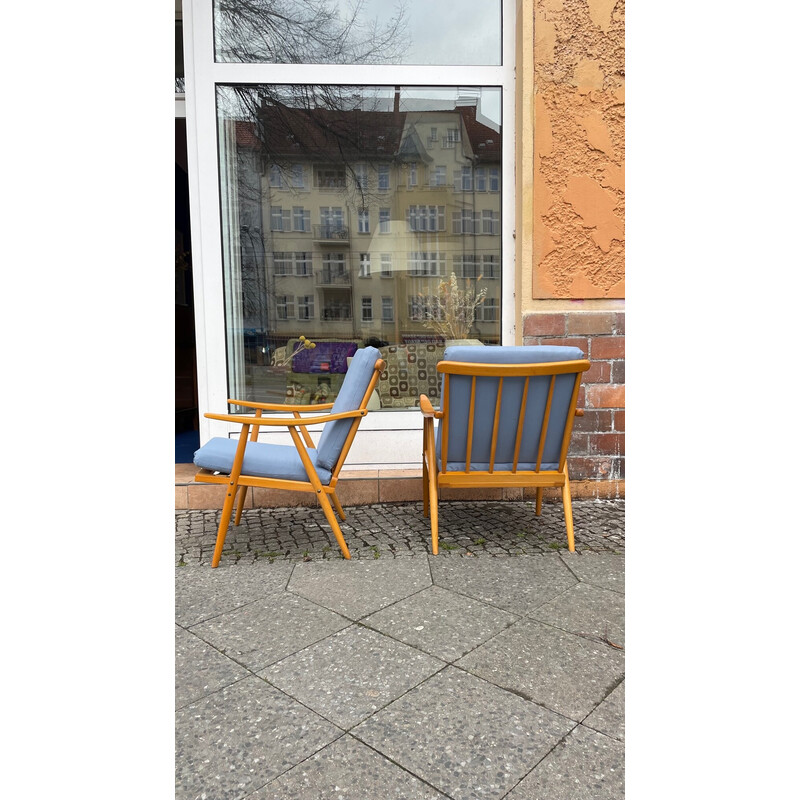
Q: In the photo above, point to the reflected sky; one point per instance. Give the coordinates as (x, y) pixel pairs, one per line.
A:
(463, 32)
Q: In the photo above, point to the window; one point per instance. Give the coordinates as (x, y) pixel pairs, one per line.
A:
(426, 263)
(363, 221)
(488, 310)
(326, 120)
(423, 307)
(480, 179)
(361, 177)
(275, 178)
(465, 183)
(334, 270)
(280, 219)
(332, 219)
(282, 263)
(296, 180)
(439, 175)
(494, 179)
(426, 218)
(302, 264)
(364, 265)
(383, 177)
(467, 266)
(491, 222)
(412, 174)
(330, 178)
(301, 219)
(305, 306)
(491, 266)
(465, 221)
(285, 306)
(366, 309)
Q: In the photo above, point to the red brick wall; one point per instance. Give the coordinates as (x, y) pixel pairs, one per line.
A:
(597, 452)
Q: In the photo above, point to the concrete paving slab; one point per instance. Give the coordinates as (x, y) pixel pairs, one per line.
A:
(347, 769)
(268, 630)
(585, 766)
(200, 669)
(463, 735)
(358, 588)
(609, 716)
(560, 671)
(588, 611)
(606, 570)
(202, 593)
(352, 674)
(240, 738)
(440, 622)
(519, 584)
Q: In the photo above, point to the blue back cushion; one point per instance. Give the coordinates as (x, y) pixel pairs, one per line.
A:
(356, 381)
(485, 402)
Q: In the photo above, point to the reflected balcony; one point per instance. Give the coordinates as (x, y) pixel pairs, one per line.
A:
(332, 234)
(333, 277)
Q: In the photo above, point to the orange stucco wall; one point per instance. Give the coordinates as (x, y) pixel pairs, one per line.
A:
(578, 150)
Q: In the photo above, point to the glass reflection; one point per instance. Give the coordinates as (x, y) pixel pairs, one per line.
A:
(364, 32)
(355, 216)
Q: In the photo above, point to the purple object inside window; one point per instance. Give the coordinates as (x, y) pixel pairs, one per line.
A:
(325, 357)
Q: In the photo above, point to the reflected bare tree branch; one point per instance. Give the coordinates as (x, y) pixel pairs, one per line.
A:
(308, 32)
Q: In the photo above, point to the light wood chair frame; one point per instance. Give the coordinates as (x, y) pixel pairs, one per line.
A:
(238, 483)
(434, 479)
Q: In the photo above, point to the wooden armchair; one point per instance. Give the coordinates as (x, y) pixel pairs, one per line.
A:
(244, 462)
(505, 420)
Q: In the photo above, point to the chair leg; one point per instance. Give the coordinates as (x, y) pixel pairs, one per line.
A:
(338, 506)
(240, 505)
(538, 501)
(567, 498)
(227, 510)
(331, 517)
(426, 495)
(433, 492)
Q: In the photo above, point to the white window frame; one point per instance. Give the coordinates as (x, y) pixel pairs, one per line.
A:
(380, 433)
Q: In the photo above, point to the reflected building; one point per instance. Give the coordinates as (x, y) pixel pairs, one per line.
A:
(350, 220)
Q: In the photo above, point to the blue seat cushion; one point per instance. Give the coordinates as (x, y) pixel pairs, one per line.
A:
(356, 381)
(260, 459)
(485, 404)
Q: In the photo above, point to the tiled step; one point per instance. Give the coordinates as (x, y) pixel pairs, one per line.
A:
(366, 487)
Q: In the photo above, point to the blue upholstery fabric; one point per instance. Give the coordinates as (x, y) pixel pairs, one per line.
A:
(485, 402)
(264, 460)
(356, 381)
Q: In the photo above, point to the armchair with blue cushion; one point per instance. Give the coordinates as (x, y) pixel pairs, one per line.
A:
(505, 420)
(243, 462)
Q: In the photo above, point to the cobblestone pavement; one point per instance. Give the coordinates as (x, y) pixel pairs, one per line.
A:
(392, 530)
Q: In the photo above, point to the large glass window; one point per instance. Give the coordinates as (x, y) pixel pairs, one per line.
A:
(331, 180)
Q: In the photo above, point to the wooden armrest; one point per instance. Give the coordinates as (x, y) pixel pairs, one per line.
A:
(280, 406)
(427, 409)
(283, 421)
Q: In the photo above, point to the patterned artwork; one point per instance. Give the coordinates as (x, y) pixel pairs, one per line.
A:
(410, 371)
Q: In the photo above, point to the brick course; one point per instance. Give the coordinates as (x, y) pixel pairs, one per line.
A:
(597, 451)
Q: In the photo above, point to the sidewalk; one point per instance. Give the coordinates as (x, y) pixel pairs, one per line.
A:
(495, 669)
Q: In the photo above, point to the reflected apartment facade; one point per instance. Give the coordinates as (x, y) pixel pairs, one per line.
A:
(350, 220)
